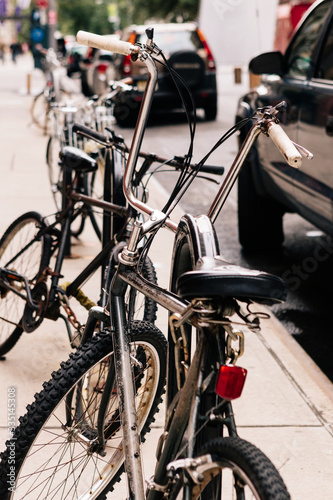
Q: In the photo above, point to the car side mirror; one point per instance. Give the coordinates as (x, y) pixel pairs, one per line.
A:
(268, 63)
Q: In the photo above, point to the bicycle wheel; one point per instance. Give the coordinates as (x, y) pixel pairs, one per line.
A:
(30, 264)
(56, 180)
(138, 306)
(39, 110)
(52, 159)
(232, 468)
(55, 447)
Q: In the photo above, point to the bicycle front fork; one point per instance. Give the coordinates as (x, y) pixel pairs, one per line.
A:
(126, 391)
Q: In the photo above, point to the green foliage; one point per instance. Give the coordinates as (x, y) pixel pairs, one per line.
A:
(171, 9)
(83, 15)
(91, 16)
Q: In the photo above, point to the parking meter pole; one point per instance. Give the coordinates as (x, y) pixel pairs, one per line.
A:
(52, 24)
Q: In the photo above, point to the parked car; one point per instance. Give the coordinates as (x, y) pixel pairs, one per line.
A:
(100, 70)
(94, 67)
(187, 52)
(267, 186)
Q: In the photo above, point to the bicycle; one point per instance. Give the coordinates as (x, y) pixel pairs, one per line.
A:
(29, 243)
(89, 405)
(97, 114)
(58, 89)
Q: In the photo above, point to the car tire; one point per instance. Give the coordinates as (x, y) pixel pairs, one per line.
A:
(260, 219)
(126, 115)
(211, 110)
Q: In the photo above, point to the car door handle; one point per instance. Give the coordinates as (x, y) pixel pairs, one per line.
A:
(329, 125)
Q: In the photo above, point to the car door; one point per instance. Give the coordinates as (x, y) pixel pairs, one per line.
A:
(279, 178)
(313, 183)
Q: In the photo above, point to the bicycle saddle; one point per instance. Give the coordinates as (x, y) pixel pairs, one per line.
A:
(78, 160)
(214, 277)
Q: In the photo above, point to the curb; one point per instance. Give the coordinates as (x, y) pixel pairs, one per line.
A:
(302, 357)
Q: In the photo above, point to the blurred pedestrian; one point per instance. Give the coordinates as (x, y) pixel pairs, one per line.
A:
(2, 52)
(15, 48)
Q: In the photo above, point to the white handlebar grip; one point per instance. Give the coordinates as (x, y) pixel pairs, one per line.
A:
(284, 144)
(103, 42)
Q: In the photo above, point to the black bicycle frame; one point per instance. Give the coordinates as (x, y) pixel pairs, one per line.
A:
(64, 219)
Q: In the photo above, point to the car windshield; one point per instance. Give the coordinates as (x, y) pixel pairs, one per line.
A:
(172, 41)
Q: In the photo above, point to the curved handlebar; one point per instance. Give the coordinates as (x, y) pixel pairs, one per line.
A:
(90, 133)
(285, 145)
(105, 43)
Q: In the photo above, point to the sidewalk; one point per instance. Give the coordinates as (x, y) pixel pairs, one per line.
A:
(287, 405)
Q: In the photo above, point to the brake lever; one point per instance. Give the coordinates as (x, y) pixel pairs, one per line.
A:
(304, 152)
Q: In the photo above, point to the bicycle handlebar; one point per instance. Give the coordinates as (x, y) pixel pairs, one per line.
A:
(105, 43)
(285, 145)
(90, 133)
(176, 162)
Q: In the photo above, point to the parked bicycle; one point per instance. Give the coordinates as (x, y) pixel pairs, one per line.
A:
(59, 88)
(97, 113)
(30, 279)
(84, 428)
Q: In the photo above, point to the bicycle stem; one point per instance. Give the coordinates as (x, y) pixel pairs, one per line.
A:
(137, 141)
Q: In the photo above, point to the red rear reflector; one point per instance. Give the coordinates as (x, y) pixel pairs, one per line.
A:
(230, 381)
(127, 65)
(101, 68)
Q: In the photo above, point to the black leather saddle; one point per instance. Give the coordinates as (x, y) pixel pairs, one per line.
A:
(78, 160)
(214, 277)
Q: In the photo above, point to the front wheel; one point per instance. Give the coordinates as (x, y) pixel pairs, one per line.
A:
(231, 468)
(19, 254)
(56, 448)
(39, 111)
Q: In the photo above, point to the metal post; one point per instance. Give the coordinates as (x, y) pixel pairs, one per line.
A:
(52, 22)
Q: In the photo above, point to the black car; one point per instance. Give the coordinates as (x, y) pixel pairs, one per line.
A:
(187, 52)
(268, 187)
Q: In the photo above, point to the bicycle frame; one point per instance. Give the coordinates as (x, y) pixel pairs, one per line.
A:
(64, 218)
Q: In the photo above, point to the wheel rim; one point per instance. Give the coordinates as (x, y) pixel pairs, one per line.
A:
(55, 172)
(59, 464)
(233, 483)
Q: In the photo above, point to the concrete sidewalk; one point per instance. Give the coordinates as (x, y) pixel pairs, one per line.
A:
(287, 405)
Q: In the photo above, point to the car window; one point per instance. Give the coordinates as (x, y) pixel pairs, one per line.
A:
(172, 41)
(325, 64)
(300, 52)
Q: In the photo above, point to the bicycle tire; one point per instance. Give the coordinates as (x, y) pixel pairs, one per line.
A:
(40, 107)
(37, 465)
(56, 179)
(138, 306)
(239, 470)
(39, 110)
(135, 298)
(30, 264)
(52, 160)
